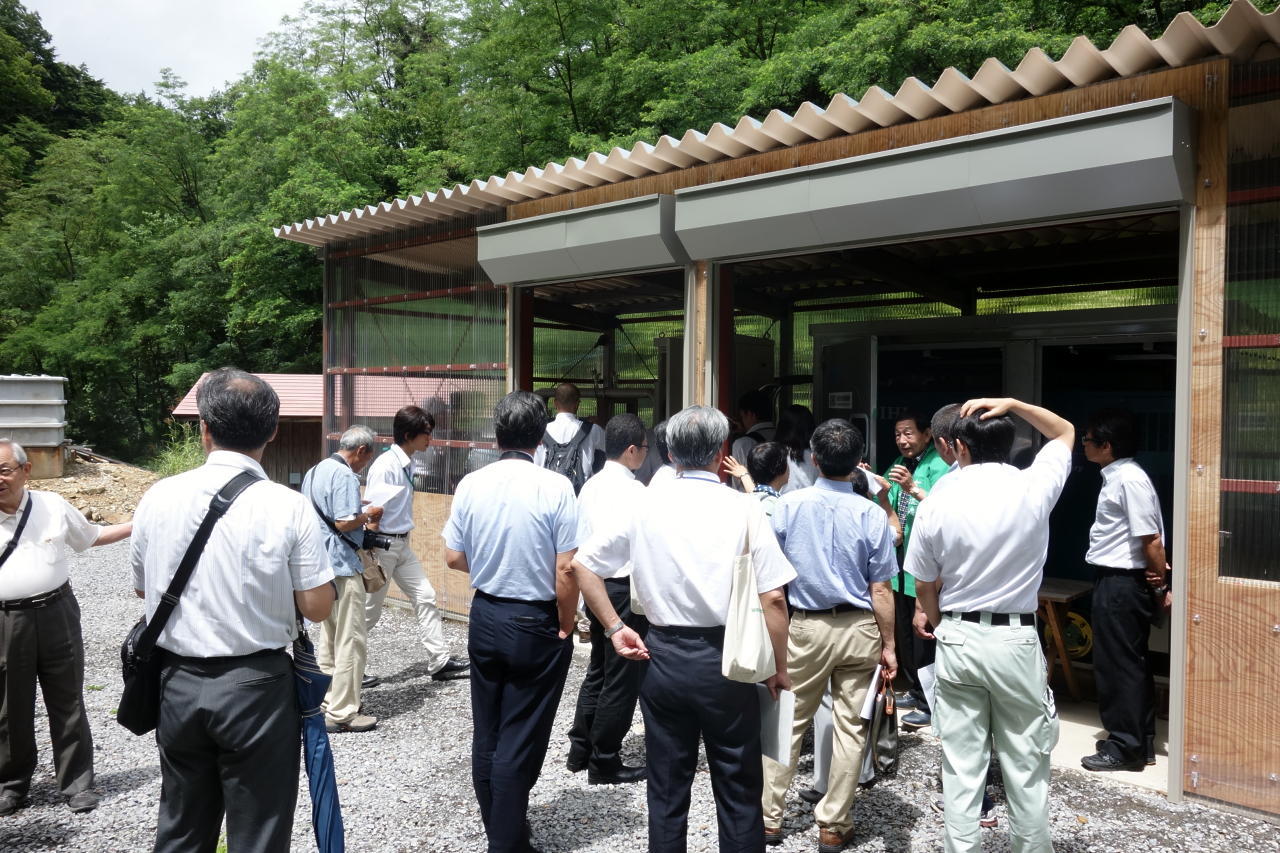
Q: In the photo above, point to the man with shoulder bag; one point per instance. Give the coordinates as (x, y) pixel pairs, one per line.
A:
(40, 627)
(333, 488)
(229, 729)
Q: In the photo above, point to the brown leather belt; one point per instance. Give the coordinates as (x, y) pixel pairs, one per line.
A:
(36, 601)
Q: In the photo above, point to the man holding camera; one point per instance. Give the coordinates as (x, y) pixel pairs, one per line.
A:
(334, 490)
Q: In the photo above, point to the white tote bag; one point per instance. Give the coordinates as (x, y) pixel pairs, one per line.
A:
(748, 652)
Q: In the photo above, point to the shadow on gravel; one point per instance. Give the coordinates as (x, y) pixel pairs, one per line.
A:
(123, 781)
(562, 818)
(406, 692)
(882, 801)
(37, 832)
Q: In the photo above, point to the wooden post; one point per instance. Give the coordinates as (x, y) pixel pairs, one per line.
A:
(699, 332)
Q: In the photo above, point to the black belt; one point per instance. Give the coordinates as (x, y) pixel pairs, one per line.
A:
(223, 659)
(35, 602)
(535, 602)
(1109, 572)
(831, 611)
(998, 620)
(715, 631)
(394, 535)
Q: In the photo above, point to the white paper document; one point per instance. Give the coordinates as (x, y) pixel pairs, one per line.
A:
(776, 721)
(869, 704)
(379, 493)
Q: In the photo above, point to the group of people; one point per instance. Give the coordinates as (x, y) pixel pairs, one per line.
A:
(930, 572)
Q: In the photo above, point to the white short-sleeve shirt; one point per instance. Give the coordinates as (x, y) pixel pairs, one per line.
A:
(240, 596)
(607, 500)
(681, 543)
(39, 562)
(986, 535)
(394, 468)
(1128, 509)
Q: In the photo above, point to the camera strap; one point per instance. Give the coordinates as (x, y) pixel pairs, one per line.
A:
(17, 533)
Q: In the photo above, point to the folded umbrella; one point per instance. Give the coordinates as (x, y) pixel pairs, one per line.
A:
(311, 684)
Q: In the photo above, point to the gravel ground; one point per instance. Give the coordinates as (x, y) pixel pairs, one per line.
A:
(406, 786)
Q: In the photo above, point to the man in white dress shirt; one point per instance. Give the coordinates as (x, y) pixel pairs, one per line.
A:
(229, 732)
(607, 698)
(411, 433)
(1126, 551)
(568, 431)
(977, 552)
(666, 471)
(40, 627)
(681, 544)
(755, 413)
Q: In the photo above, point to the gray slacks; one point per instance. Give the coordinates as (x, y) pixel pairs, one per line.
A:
(230, 741)
(44, 645)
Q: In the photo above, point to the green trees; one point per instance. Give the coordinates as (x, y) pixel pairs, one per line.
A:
(135, 233)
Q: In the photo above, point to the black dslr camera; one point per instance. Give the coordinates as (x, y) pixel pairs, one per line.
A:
(374, 539)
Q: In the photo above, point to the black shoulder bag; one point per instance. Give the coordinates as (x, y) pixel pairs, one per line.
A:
(139, 709)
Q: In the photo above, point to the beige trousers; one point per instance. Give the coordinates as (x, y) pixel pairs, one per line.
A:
(403, 567)
(992, 682)
(842, 649)
(343, 650)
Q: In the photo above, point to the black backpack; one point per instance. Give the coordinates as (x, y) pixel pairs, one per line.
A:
(566, 458)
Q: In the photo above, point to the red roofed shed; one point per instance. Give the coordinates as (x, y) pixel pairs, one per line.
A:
(297, 445)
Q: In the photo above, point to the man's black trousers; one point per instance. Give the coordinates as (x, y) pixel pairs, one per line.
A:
(230, 739)
(914, 653)
(684, 696)
(43, 644)
(1122, 609)
(518, 668)
(607, 698)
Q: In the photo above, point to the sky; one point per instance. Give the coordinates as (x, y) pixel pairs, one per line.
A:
(125, 43)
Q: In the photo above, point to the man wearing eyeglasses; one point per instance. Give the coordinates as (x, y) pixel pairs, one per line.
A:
(607, 698)
(1126, 552)
(40, 624)
(411, 431)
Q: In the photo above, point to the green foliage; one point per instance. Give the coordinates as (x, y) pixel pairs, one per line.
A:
(182, 450)
(136, 248)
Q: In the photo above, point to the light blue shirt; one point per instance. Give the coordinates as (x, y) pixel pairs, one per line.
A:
(336, 490)
(511, 518)
(838, 542)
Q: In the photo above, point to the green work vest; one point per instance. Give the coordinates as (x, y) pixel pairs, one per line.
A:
(929, 471)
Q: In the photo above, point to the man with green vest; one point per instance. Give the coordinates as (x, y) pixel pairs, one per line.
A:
(912, 475)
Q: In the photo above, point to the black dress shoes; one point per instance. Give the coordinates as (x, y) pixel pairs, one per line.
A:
(622, 776)
(369, 681)
(574, 764)
(453, 669)
(812, 796)
(1105, 761)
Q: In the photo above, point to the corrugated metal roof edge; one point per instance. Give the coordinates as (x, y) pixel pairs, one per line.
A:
(1236, 35)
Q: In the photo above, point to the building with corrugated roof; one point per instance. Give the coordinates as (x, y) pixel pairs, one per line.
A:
(1096, 230)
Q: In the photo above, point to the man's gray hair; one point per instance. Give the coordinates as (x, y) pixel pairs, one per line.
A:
(356, 437)
(19, 454)
(695, 434)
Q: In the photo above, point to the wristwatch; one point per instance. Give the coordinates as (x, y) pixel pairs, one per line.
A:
(609, 632)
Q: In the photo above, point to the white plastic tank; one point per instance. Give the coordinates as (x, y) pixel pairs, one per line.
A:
(33, 412)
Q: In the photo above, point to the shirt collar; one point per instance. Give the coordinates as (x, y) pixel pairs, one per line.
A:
(1113, 468)
(401, 457)
(767, 489)
(697, 474)
(617, 469)
(26, 498)
(232, 459)
(566, 416)
(833, 485)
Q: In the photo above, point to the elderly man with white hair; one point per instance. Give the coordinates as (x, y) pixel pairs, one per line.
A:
(681, 543)
(333, 487)
(40, 624)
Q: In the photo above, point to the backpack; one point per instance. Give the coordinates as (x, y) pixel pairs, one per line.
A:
(566, 458)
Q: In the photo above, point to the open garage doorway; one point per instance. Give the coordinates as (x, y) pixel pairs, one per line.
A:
(1074, 316)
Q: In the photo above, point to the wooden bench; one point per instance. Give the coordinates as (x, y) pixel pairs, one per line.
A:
(1055, 596)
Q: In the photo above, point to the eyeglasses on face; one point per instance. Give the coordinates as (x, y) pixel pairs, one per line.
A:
(8, 472)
